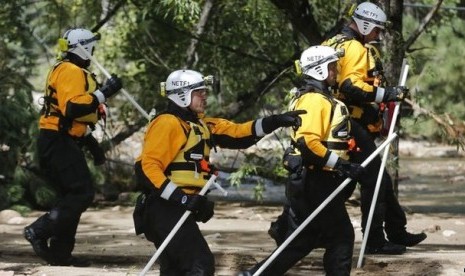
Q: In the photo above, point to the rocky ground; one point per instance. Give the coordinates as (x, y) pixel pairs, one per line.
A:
(432, 191)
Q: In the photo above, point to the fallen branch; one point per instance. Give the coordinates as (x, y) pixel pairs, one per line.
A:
(453, 127)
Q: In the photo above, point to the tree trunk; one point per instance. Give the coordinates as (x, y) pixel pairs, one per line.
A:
(394, 53)
(190, 53)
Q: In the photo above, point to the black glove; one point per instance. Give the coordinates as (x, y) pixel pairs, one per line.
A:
(94, 148)
(292, 161)
(111, 86)
(395, 93)
(205, 213)
(199, 205)
(349, 169)
(288, 119)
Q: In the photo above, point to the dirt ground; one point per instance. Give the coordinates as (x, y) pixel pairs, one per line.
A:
(432, 192)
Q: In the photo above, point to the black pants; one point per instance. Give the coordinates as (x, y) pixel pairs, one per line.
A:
(65, 166)
(187, 253)
(388, 209)
(331, 228)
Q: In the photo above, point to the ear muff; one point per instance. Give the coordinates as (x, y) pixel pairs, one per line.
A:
(209, 80)
(62, 48)
(352, 10)
(340, 52)
(388, 24)
(62, 45)
(298, 68)
(163, 89)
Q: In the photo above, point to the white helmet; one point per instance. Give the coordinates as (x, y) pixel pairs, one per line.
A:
(74, 36)
(180, 84)
(314, 61)
(368, 16)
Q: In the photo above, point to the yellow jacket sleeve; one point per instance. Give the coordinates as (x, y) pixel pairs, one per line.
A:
(227, 134)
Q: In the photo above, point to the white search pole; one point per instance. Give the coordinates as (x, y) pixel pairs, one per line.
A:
(105, 72)
(322, 205)
(218, 186)
(175, 229)
(402, 80)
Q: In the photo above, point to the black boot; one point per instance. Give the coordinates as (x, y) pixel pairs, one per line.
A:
(276, 232)
(388, 248)
(407, 239)
(38, 233)
(71, 261)
(279, 228)
(39, 245)
(61, 249)
(284, 225)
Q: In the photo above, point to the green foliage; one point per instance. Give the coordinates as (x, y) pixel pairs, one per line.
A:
(181, 11)
(327, 13)
(22, 209)
(247, 169)
(15, 193)
(29, 189)
(258, 191)
(17, 113)
(16, 189)
(133, 198)
(436, 78)
(244, 55)
(266, 164)
(237, 36)
(248, 172)
(420, 127)
(45, 196)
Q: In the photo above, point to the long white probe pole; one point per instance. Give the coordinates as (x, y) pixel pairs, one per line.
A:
(105, 72)
(322, 205)
(402, 80)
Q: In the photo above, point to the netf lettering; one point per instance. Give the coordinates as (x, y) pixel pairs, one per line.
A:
(180, 83)
(370, 14)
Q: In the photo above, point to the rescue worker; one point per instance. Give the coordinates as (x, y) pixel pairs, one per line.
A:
(174, 166)
(71, 103)
(318, 163)
(362, 93)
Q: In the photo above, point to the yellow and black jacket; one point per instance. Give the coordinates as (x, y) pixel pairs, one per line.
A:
(356, 78)
(69, 105)
(325, 127)
(175, 144)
